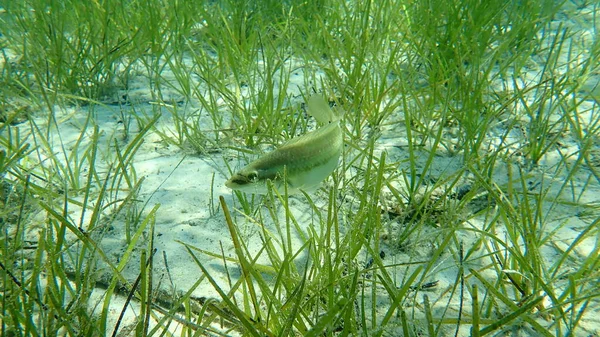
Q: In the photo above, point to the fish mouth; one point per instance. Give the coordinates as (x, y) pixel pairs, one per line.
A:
(235, 182)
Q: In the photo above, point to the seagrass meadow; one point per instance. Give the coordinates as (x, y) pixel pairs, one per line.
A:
(466, 201)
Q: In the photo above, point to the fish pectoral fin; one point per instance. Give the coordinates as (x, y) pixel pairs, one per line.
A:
(319, 108)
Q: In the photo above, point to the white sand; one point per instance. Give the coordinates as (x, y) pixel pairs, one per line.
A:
(180, 182)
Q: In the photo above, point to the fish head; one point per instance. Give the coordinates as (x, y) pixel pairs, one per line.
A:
(246, 176)
(249, 180)
(255, 180)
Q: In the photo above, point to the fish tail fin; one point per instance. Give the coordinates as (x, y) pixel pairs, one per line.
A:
(319, 108)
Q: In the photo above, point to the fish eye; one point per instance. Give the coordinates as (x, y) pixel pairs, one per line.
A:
(252, 176)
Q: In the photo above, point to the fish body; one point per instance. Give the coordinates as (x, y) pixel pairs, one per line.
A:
(305, 161)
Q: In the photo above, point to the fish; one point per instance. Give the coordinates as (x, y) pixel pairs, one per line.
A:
(302, 162)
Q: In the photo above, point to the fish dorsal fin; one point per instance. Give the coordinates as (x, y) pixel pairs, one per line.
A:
(319, 108)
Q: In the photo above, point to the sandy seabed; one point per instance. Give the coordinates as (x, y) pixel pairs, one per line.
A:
(187, 185)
